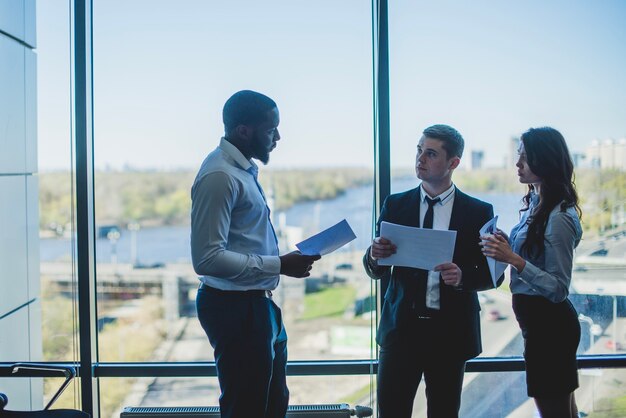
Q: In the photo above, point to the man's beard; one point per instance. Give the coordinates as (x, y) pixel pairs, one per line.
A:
(260, 153)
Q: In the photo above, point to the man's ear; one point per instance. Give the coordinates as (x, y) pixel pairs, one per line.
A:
(244, 131)
(454, 163)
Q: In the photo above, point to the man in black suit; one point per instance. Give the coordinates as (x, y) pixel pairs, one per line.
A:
(430, 324)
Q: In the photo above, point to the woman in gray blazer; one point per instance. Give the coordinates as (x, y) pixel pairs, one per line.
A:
(540, 251)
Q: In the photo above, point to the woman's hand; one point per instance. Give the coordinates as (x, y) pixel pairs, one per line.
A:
(501, 232)
(497, 247)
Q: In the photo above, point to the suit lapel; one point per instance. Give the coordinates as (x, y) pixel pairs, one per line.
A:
(459, 210)
(409, 212)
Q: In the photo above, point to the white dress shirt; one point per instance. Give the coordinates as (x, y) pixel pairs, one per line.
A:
(233, 244)
(442, 212)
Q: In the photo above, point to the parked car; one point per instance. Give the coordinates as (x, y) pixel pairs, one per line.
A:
(106, 231)
(343, 266)
(494, 315)
(612, 345)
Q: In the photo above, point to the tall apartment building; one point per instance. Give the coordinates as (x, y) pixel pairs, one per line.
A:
(477, 159)
(512, 152)
(607, 154)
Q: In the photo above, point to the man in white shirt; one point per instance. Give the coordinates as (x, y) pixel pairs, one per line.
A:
(430, 324)
(235, 252)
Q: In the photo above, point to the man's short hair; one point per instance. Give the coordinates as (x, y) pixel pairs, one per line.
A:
(246, 107)
(452, 140)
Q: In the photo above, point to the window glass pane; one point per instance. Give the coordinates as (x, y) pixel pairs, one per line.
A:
(37, 280)
(162, 72)
(597, 395)
(56, 178)
(494, 71)
(118, 393)
(315, 390)
(601, 394)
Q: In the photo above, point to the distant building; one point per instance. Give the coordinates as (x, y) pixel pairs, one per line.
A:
(577, 159)
(477, 160)
(609, 154)
(512, 153)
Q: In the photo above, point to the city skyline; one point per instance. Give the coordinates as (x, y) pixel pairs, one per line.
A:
(507, 160)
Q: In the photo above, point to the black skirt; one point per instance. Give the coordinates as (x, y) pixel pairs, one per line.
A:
(551, 335)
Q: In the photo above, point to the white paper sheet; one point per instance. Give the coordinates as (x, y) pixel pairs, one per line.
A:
(328, 240)
(496, 268)
(421, 248)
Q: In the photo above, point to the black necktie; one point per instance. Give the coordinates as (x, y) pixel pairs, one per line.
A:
(428, 218)
(420, 297)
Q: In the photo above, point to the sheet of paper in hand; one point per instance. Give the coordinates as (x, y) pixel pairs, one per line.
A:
(496, 268)
(328, 240)
(422, 248)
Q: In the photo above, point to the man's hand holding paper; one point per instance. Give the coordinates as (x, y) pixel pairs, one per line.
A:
(382, 248)
(421, 248)
(328, 240)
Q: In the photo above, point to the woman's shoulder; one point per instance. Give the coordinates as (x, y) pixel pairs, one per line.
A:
(564, 220)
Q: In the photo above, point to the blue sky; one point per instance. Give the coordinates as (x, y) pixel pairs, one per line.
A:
(492, 69)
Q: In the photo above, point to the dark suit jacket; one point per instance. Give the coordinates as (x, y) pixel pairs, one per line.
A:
(457, 325)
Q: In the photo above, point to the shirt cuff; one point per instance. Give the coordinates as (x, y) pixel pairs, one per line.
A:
(271, 264)
(370, 261)
(529, 271)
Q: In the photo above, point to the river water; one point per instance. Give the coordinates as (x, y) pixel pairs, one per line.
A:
(171, 243)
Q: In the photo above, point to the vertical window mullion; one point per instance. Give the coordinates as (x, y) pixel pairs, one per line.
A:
(85, 249)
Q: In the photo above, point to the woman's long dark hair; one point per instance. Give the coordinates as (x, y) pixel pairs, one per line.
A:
(548, 158)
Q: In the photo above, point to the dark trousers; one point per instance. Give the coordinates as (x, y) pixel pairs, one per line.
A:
(246, 331)
(402, 364)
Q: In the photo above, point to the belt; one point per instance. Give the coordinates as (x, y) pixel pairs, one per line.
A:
(251, 292)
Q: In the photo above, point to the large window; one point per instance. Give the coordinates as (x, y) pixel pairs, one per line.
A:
(492, 71)
(162, 71)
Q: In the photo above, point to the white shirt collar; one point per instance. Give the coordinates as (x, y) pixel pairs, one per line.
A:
(445, 196)
(234, 153)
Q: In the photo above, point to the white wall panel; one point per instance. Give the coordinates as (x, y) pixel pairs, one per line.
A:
(33, 265)
(12, 115)
(24, 394)
(20, 332)
(18, 391)
(30, 116)
(36, 394)
(12, 17)
(30, 23)
(14, 344)
(13, 244)
(35, 337)
(32, 231)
